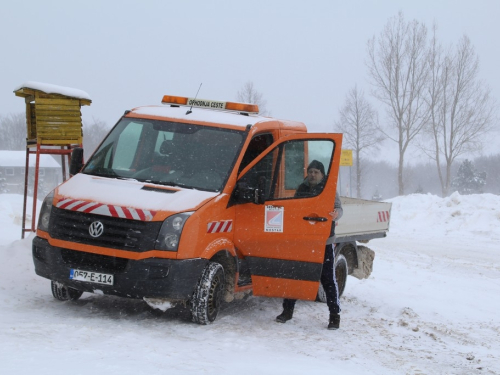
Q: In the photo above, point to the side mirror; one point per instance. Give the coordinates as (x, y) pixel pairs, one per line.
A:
(76, 161)
(251, 194)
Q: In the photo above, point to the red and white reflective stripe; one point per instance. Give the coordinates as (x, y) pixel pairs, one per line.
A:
(383, 216)
(106, 209)
(220, 226)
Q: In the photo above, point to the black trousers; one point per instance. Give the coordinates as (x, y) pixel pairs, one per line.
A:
(328, 281)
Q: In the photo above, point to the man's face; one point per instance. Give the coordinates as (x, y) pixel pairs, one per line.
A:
(314, 176)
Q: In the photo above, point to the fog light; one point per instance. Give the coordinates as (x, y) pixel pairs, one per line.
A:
(171, 241)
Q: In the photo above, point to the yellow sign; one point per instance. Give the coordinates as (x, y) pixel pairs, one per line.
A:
(346, 158)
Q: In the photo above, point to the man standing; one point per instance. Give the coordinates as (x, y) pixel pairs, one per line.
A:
(313, 185)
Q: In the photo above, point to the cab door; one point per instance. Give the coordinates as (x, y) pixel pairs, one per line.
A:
(283, 235)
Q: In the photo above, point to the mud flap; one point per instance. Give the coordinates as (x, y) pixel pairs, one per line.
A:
(365, 263)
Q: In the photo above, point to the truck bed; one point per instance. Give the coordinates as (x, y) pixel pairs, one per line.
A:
(362, 220)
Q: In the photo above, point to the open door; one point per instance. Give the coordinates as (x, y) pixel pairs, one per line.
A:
(283, 234)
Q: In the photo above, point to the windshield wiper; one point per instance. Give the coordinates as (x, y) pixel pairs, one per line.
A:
(102, 173)
(168, 183)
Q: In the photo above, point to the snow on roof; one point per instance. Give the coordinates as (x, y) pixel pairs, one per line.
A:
(18, 159)
(201, 114)
(54, 89)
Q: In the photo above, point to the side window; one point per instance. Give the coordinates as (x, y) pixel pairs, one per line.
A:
(294, 164)
(261, 175)
(310, 179)
(304, 169)
(294, 169)
(258, 144)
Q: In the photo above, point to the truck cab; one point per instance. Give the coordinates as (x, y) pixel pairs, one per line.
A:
(191, 201)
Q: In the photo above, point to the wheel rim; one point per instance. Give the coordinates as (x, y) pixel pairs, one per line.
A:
(215, 297)
(341, 275)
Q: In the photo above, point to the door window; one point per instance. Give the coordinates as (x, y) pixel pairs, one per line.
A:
(256, 146)
(282, 173)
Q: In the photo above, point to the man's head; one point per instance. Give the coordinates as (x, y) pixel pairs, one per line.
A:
(315, 172)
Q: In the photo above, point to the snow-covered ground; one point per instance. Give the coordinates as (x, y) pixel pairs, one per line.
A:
(430, 307)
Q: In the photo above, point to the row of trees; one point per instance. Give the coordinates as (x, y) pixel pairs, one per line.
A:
(13, 131)
(470, 176)
(432, 97)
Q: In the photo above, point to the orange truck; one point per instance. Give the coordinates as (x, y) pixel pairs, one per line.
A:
(193, 201)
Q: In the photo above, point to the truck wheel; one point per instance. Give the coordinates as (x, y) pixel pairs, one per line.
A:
(341, 272)
(64, 293)
(208, 294)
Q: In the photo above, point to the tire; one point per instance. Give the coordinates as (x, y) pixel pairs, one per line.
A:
(64, 293)
(208, 295)
(341, 272)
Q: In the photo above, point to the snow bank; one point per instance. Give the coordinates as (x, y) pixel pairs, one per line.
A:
(470, 215)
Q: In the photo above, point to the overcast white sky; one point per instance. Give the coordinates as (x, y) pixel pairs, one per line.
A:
(302, 56)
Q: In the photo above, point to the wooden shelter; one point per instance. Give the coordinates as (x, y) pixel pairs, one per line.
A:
(54, 126)
(52, 118)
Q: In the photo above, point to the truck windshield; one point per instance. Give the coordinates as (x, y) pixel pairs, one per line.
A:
(167, 153)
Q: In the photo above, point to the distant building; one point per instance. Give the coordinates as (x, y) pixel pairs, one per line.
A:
(12, 169)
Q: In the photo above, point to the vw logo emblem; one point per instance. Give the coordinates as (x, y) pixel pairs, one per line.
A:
(96, 229)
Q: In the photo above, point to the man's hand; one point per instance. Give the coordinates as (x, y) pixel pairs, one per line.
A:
(334, 214)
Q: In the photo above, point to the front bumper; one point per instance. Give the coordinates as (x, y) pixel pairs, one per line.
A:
(152, 278)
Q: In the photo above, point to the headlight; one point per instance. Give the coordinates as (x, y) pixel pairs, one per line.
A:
(45, 210)
(170, 232)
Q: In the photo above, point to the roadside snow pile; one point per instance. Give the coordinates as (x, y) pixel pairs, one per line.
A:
(477, 215)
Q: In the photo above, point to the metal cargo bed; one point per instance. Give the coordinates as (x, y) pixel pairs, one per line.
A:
(362, 220)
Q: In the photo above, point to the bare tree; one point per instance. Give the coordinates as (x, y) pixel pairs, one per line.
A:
(398, 70)
(93, 134)
(248, 94)
(358, 122)
(436, 65)
(462, 110)
(13, 131)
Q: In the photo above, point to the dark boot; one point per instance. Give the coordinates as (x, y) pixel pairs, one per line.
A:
(286, 315)
(334, 322)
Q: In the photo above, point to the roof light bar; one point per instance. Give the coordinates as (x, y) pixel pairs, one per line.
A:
(168, 99)
(210, 104)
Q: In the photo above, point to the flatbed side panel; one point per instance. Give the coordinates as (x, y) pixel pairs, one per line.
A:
(363, 217)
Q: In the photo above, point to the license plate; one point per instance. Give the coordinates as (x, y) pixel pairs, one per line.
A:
(91, 277)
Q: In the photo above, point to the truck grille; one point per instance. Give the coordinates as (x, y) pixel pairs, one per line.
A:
(123, 234)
